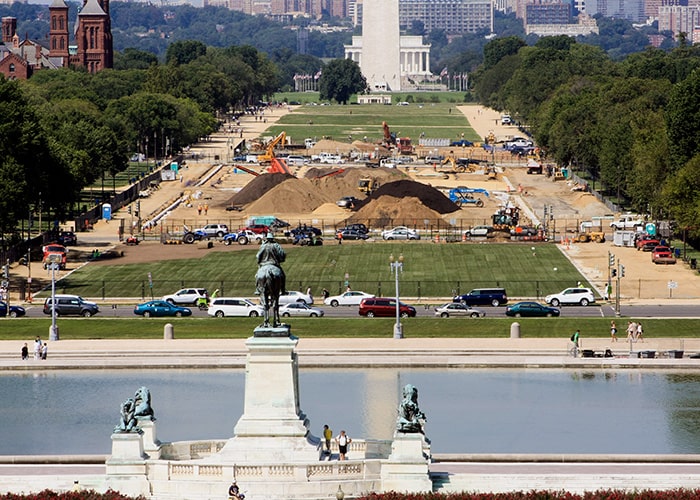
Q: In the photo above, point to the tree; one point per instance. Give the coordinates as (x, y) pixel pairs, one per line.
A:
(184, 52)
(683, 120)
(340, 79)
(132, 58)
(499, 48)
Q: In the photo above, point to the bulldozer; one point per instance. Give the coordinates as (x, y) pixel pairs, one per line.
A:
(367, 185)
(594, 236)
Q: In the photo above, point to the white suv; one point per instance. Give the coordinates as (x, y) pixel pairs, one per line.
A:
(218, 230)
(187, 296)
(571, 296)
(233, 306)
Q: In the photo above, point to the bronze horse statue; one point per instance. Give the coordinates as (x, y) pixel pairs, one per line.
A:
(270, 280)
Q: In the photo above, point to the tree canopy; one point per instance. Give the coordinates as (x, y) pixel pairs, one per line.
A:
(341, 78)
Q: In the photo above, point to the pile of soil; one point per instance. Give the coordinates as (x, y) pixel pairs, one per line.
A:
(257, 187)
(426, 195)
(290, 196)
(338, 182)
(388, 210)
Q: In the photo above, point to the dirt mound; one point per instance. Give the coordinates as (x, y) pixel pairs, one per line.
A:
(426, 195)
(257, 187)
(391, 210)
(290, 196)
(338, 182)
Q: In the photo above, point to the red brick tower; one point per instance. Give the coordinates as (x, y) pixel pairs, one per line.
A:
(94, 37)
(58, 31)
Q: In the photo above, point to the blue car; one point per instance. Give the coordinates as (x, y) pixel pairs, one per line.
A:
(15, 311)
(161, 308)
(531, 309)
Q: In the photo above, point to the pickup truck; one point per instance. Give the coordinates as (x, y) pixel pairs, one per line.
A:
(627, 222)
(662, 255)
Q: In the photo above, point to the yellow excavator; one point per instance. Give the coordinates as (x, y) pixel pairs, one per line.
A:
(367, 185)
(269, 153)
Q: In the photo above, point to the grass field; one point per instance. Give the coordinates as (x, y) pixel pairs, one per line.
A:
(209, 328)
(430, 270)
(435, 120)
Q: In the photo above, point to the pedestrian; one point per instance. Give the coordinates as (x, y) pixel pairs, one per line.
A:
(44, 350)
(308, 291)
(340, 238)
(640, 332)
(25, 352)
(325, 293)
(37, 348)
(233, 491)
(608, 291)
(631, 331)
(575, 341)
(199, 209)
(206, 208)
(327, 436)
(343, 441)
(181, 178)
(613, 331)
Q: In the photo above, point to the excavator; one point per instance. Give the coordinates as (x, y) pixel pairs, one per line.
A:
(403, 144)
(367, 185)
(277, 165)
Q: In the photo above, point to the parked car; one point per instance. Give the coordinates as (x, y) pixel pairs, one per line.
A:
(462, 142)
(71, 305)
(483, 296)
(351, 234)
(384, 307)
(242, 237)
(211, 230)
(351, 298)
(429, 160)
(300, 309)
(518, 142)
(480, 232)
(662, 255)
(648, 245)
(531, 309)
(304, 229)
(524, 231)
(358, 227)
(458, 309)
(646, 239)
(347, 202)
(292, 296)
(571, 296)
(14, 312)
(67, 238)
(160, 308)
(296, 161)
(506, 120)
(628, 221)
(258, 228)
(188, 296)
(400, 233)
(233, 306)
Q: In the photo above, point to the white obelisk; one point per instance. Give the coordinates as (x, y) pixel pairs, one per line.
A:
(380, 63)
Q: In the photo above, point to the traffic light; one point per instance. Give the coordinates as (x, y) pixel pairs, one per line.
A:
(614, 273)
(611, 259)
(6, 271)
(622, 271)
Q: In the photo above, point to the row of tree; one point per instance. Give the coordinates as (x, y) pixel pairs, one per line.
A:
(63, 130)
(632, 125)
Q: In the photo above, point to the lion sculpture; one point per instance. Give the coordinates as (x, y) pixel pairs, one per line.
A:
(142, 402)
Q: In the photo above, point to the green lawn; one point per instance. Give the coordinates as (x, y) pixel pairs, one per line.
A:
(430, 270)
(435, 120)
(209, 328)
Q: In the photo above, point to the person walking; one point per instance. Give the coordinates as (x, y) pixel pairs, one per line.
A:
(631, 331)
(613, 331)
(327, 436)
(44, 350)
(325, 293)
(575, 341)
(640, 333)
(343, 441)
(37, 348)
(25, 352)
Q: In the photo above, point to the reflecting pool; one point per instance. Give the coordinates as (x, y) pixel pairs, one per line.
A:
(468, 410)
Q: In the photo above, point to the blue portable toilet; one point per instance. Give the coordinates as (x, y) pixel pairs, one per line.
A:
(650, 228)
(107, 211)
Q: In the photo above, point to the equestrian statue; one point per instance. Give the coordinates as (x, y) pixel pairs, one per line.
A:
(270, 280)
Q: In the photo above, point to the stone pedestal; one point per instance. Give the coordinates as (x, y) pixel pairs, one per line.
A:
(406, 470)
(272, 427)
(151, 445)
(127, 456)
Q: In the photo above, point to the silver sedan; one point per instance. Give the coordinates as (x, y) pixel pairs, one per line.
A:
(458, 309)
(300, 309)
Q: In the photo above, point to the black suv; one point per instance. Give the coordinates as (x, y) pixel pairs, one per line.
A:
(483, 296)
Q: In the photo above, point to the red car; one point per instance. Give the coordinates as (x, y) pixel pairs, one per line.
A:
(647, 243)
(662, 255)
(259, 228)
(386, 307)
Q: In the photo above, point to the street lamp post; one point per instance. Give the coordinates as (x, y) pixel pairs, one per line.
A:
(54, 263)
(396, 267)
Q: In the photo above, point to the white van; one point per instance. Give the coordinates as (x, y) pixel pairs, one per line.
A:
(233, 306)
(296, 161)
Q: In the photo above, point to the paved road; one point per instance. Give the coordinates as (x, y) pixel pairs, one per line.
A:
(637, 311)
